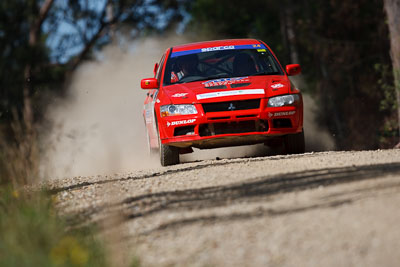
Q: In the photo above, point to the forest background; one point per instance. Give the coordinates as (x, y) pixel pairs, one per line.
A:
(344, 49)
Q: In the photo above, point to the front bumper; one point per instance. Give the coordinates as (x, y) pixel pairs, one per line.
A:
(230, 128)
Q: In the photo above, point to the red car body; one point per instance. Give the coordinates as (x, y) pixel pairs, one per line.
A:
(218, 106)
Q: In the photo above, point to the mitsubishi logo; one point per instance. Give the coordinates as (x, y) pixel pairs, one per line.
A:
(231, 107)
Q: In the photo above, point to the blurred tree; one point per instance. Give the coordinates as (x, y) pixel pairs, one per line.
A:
(33, 39)
(238, 19)
(20, 46)
(42, 41)
(392, 8)
(345, 40)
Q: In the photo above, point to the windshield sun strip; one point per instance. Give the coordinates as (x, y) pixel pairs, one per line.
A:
(217, 48)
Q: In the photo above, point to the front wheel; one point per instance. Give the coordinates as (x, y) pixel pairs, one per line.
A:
(169, 155)
(294, 143)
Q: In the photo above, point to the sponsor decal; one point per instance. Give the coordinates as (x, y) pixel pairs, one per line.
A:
(282, 113)
(217, 48)
(231, 93)
(225, 81)
(179, 95)
(174, 123)
(277, 85)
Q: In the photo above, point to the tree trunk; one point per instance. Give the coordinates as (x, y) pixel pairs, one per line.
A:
(392, 8)
(34, 33)
(24, 128)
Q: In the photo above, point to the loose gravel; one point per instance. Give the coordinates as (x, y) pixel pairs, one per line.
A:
(315, 209)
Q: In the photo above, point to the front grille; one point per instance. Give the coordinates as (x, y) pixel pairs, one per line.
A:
(231, 105)
(219, 118)
(211, 129)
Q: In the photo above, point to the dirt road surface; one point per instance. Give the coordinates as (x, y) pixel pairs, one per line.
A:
(315, 209)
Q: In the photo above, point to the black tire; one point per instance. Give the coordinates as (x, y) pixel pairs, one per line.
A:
(169, 155)
(294, 143)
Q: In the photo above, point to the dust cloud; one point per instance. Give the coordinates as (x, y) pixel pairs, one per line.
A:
(99, 128)
(317, 138)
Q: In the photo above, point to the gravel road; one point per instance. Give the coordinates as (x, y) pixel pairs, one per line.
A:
(315, 209)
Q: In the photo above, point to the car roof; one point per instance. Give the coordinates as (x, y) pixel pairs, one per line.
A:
(206, 44)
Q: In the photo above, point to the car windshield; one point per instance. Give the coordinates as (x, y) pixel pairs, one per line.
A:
(228, 62)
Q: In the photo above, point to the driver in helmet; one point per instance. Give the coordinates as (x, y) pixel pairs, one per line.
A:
(186, 66)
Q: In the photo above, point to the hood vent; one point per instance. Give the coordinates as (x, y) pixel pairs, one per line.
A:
(217, 87)
(236, 85)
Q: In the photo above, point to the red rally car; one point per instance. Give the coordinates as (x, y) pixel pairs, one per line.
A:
(221, 93)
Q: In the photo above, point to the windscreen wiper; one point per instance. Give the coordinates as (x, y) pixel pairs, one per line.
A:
(264, 73)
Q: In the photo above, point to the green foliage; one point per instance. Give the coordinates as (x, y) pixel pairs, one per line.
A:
(388, 102)
(388, 105)
(33, 235)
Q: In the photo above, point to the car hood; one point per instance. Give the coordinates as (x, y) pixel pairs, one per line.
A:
(228, 89)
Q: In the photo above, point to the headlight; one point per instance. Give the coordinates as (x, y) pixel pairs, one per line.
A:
(173, 110)
(283, 100)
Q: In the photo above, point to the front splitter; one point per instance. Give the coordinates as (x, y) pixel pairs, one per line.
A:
(225, 141)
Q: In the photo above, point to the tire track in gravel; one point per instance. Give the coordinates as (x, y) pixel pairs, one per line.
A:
(197, 165)
(258, 187)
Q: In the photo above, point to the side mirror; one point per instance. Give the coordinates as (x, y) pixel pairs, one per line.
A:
(293, 69)
(149, 83)
(155, 69)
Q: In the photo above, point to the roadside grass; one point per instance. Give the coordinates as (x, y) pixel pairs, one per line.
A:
(31, 231)
(33, 235)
